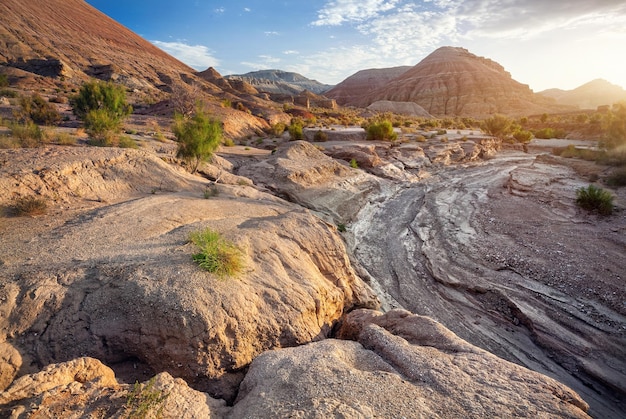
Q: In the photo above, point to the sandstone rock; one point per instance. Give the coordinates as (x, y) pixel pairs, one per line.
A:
(278, 81)
(119, 283)
(85, 388)
(403, 365)
(305, 175)
(81, 370)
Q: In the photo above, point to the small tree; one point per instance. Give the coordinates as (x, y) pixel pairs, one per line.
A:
(198, 137)
(498, 126)
(102, 106)
(295, 130)
(615, 127)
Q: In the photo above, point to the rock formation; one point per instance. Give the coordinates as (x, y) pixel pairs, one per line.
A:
(590, 95)
(401, 108)
(362, 83)
(38, 36)
(453, 82)
(280, 82)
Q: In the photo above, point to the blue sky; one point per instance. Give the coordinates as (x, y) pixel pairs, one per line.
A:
(543, 43)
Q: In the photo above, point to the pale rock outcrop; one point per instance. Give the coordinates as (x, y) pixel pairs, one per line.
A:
(401, 365)
(402, 108)
(303, 174)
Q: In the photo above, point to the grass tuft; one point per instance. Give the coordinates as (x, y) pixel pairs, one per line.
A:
(217, 255)
(595, 199)
(29, 205)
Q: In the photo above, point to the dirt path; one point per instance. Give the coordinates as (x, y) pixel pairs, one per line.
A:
(499, 254)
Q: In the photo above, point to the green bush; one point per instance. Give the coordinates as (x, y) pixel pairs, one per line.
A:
(381, 131)
(102, 106)
(320, 137)
(216, 255)
(145, 401)
(28, 134)
(498, 126)
(295, 130)
(4, 92)
(615, 127)
(4, 80)
(197, 138)
(277, 129)
(595, 199)
(522, 136)
(354, 164)
(35, 108)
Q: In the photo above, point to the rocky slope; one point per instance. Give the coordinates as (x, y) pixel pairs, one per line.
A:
(69, 38)
(108, 273)
(588, 96)
(280, 82)
(453, 82)
(353, 89)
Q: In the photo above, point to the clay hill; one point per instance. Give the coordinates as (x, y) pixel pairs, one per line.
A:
(359, 85)
(452, 81)
(72, 39)
(590, 95)
(280, 82)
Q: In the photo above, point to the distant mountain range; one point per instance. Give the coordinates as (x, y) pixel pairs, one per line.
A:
(280, 82)
(588, 96)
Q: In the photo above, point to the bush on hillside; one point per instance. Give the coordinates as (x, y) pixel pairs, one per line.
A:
(498, 126)
(102, 106)
(35, 108)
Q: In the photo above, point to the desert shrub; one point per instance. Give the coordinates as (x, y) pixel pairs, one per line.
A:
(4, 80)
(210, 192)
(198, 137)
(228, 142)
(277, 129)
(295, 130)
(4, 92)
(420, 139)
(227, 103)
(7, 142)
(28, 134)
(617, 178)
(126, 142)
(102, 106)
(522, 136)
(498, 126)
(441, 132)
(320, 137)
(145, 401)
(35, 108)
(29, 205)
(341, 228)
(217, 255)
(615, 135)
(63, 138)
(547, 133)
(595, 199)
(354, 164)
(381, 131)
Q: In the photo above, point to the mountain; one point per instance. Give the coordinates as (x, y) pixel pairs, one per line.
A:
(452, 81)
(588, 96)
(362, 83)
(280, 82)
(73, 40)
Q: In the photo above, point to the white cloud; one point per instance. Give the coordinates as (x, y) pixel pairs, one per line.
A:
(264, 62)
(197, 56)
(338, 11)
(291, 52)
(220, 10)
(247, 9)
(271, 33)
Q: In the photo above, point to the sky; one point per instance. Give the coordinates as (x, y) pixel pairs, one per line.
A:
(542, 43)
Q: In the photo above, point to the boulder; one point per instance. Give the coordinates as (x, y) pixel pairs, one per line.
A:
(401, 365)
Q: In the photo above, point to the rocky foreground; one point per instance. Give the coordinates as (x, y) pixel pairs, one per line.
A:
(104, 282)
